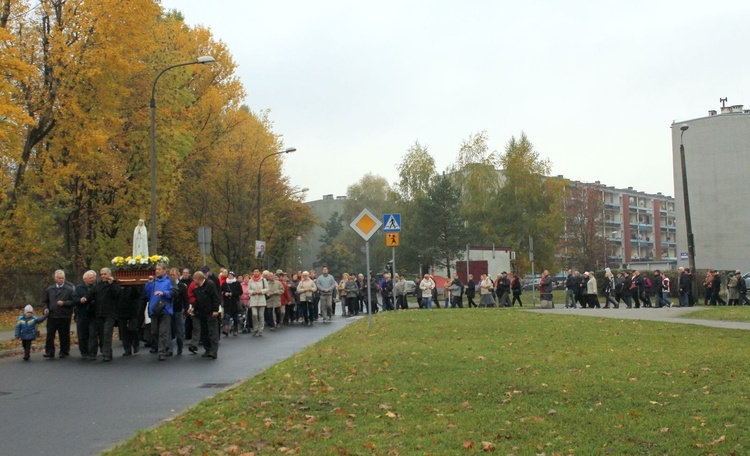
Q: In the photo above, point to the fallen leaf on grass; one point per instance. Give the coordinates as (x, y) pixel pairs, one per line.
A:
(384, 407)
(465, 404)
(390, 415)
(468, 445)
(488, 446)
(719, 440)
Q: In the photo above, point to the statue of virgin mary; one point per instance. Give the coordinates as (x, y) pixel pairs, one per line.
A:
(140, 240)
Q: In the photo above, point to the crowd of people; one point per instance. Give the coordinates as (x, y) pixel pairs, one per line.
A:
(636, 289)
(181, 309)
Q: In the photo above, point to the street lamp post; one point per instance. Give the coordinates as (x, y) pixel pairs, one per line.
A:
(688, 220)
(285, 151)
(204, 60)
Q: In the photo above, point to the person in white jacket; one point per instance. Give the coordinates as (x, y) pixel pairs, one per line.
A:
(591, 290)
(426, 285)
(257, 288)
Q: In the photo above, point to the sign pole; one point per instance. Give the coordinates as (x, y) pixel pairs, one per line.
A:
(369, 289)
(533, 277)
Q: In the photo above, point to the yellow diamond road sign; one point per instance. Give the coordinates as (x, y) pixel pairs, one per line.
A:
(366, 224)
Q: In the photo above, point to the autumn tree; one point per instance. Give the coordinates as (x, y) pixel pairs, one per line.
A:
(74, 137)
(584, 243)
(528, 204)
(416, 173)
(475, 174)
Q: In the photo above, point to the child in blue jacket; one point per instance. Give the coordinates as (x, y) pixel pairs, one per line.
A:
(26, 329)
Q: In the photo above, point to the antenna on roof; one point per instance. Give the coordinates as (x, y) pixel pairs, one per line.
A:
(723, 102)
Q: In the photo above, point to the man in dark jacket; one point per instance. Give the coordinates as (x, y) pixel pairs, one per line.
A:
(105, 296)
(58, 300)
(502, 288)
(638, 291)
(570, 299)
(179, 306)
(471, 291)
(627, 284)
(684, 286)
(579, 289)
(129, 316)
(205, 310)
(84, 310)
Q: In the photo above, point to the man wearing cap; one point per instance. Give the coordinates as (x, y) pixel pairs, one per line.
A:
(733, 292)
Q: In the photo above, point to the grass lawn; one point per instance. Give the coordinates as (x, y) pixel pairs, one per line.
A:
(9, 318)
(469, 381)
(727, 313)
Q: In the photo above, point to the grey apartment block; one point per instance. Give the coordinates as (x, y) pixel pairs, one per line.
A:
(717, 164)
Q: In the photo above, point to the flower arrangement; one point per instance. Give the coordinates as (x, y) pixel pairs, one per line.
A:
(139, 262)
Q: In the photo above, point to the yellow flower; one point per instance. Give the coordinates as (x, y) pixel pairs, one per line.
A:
(138, 258)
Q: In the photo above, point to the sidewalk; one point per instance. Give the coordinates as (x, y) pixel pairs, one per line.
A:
(6, 336)
(664, 314)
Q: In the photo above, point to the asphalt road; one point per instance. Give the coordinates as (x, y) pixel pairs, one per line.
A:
(71, 407)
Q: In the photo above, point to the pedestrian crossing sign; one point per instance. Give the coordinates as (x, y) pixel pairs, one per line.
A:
(391, 239)
(391, 223)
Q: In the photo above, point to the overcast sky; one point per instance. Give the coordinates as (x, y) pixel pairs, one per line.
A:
(594, 84)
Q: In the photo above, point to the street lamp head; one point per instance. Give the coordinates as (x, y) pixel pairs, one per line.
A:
(206, 60)
(304, 190)
(289, 150)
(684, 127)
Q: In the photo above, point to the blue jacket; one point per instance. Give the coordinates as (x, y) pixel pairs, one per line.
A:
(165, 285)
(26, 327)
